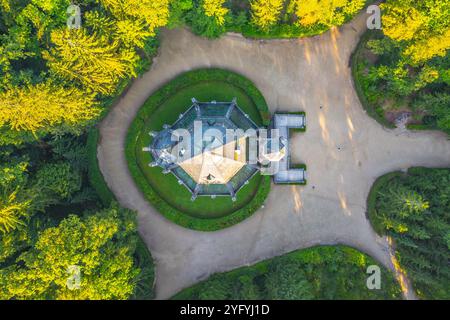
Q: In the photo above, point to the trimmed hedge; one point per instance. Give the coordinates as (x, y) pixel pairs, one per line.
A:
(154, 101)
(95, 175)
(146, 279)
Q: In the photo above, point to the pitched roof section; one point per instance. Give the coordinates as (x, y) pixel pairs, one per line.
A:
(217, 166)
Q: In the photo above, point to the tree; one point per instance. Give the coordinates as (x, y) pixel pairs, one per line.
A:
(46, 108)
(153, 13)
(435, 105)
(415, 210)
(15, 204)
(248, 289)
(57, 181)
(215, 9)
(216, 289)
(129, 22)
(100, 245)
(426, 49)
(12, 48)
(206, 25)
(265, 13)
(423, 27)
(413, 59)
(287, 281)
(326, 12)
(91, 60)
(178, 10)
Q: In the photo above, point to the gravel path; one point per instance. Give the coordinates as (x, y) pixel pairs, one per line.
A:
(344, 149)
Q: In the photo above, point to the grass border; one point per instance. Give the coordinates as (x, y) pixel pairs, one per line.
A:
(95, 175)
(153, 102)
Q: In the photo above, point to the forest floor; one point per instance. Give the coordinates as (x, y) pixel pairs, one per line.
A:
(345, 151)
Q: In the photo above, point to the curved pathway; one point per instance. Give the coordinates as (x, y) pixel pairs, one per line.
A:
(345, 151)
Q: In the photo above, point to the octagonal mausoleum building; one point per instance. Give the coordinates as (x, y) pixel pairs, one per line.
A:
(214, 149)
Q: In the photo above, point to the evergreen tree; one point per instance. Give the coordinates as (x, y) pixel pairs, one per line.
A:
(266, 13)
(100, 245)
(46, 108)
(91, 60)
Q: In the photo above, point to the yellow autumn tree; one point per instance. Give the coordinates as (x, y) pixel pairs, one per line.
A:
(5, 5)
(215, 9)
(45, 107)
(422, 27)
(12, 211)
(426, 49)
(402, 22)
(15, 201)
(154, 13)
(92, 60)
(131, 22)
(265, 13)
(131, 33)
(327, 12)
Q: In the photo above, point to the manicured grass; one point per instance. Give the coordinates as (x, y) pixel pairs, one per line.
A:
(329, 272)
(204, 91)
(163, 191)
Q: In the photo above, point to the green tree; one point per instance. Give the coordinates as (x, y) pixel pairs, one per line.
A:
(58, 180)
(178, 11)
(216, 289)
(91, 60)
(422, 26)
(45, 108)
(415, 212)
(287, 281)
(436, 105)
(15, 201)
(266, 13)
(204, 24)
(101, 245)
(248, 290)
(326, 12)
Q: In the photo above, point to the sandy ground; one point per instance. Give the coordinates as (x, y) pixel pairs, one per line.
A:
(344, 149)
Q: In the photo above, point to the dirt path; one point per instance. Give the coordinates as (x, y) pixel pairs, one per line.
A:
(344, 149)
